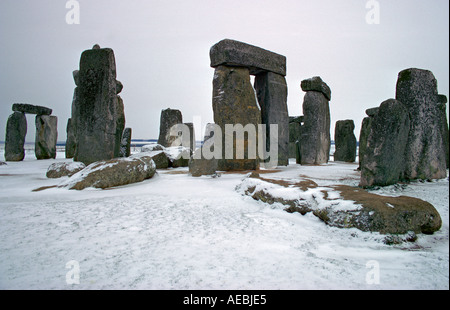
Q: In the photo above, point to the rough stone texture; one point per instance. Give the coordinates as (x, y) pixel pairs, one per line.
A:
(384, 157)
(271, 90)
(98, 111)
(179, 156)
(46, 136)
(238, 54)
(125, 145)
(372, 111)
(202, 166)
(234, 102)
(159, 157)
(363, 136)
(345, 141)
(71, 143)
(425, 153)
(16, 130)
(315, 139)
(59, 170)
(111, 173)
(294, 136)
(444, 126)
(31, 109)
(316, 84)
(168, 119)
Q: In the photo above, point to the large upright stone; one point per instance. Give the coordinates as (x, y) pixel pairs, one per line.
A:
(364, 133)
(234, 104)
(384, 157)
(444, 126)
(70, 140)
(271, 90)
(238, 54)
(315, 142)
(425, 153)
(46, 136)
(16, 130)
(295, 124)
(99, 117)
(345, 141)
(31, 109)
(169, 118)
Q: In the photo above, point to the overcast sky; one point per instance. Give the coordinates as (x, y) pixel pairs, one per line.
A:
(162, 51)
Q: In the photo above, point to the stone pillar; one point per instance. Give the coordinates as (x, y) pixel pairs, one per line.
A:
(364, 133)
(271, 89)
(425, 153)
(235, 106)
(70, 141)
(295, 124)
(125, 146)
(345, 141)
(46, 136)
(444, 126)
(99, 111)
(384, 158)
(168, 119)
(315, 140)
(16, 130)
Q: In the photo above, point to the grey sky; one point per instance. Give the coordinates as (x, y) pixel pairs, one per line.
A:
(162, 51)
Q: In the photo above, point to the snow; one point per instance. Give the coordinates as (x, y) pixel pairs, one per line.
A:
(178, 232)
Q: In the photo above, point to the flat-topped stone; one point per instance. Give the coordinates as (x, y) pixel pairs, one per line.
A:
(31, 109)
(238, 54)
(316, 84)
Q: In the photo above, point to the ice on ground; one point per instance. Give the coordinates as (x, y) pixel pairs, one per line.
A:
(178, 232)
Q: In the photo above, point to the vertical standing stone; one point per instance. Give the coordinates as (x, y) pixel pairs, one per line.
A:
(70, 140)
(345, 141)
(364, 134)
(125, 146)
(234, 104)
(98, 112)
(46, 136)
(271, 89)
(16, 130)
(384, 157)
(295, 124)
(168, 119)
(444, 126)
(425, 153)
(315, 140)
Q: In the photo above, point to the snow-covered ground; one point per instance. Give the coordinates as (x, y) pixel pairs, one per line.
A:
(178, 232)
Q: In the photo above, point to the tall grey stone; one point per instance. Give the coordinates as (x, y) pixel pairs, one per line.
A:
(125, 145)
(98, 111)
(70, 140)
(169, 118)
(271, 90)
(238, 54)
(345, 141)
(425, 153)
(16, 130)
(384, 158)
(234, 103)
(46, 136)
(315, 142)
(444, 126)
(295, 124)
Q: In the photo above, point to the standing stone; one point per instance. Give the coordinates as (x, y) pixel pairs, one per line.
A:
(98, 111)
(315, 133)
(345, 141)
(125, 146)
(234, 104)
(70, 141)
(271, 89)
(16, 130)
(295, 124)
(384, 157)
(364, 134)
(425, 153)
(168, 119)
(444, 126)
(46, 136)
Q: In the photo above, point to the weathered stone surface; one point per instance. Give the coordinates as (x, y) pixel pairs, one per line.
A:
(234, 103)
(159, 157)
(112, 173)
(59, 170)
(125, 145)
(98, 111)
(46, 136)
(444, 126)
(315, 142)
(345, 141)
(169, 118)
(202, 166)
(71, 143)
(372, 111)
(238, 54)
(31, 109)
(384, 157)
(425, 153)
(16, 130)
(294, 136)
(363, 136)
(316, 84)
(271, 90)
(179, 156)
